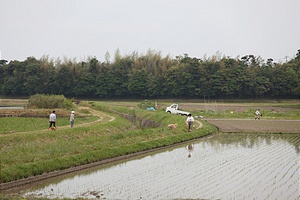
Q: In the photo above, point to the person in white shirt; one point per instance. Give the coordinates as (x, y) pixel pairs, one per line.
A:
(52, 119)
(72, 118)
(190, 120)
(257, 114)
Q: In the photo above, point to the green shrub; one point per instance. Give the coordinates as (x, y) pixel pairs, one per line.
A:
(49, 101)
(146, 104)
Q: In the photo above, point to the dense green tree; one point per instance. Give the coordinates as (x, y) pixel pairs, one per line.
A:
(93, 66)
(172, 82)
(283, 81)
(102, 81)
(138, 84)
(32, 81)
(191, 75)
(63, 81)
(85, 85)
(208, 76)
(3, 62)
(32, 76)
(2, 71)
(156, 88)
(118, 76)
(152, 75)
(14, 76)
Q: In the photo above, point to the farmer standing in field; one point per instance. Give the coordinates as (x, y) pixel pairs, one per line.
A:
(72, 118)
(52, 119)
(190, 120)
(257, 114)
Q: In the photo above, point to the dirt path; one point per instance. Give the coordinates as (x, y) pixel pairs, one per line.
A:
(99, 114)
(200, 125)
(256, 126)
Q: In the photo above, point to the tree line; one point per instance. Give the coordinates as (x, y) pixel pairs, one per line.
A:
(153, 76)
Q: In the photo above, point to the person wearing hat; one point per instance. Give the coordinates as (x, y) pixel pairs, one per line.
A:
(72, 118)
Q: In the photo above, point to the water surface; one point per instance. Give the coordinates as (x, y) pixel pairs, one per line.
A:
(225, 166)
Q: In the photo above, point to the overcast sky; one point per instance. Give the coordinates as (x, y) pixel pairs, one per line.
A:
(82, 28)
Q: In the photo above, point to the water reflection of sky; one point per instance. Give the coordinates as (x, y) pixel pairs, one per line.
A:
(226, 166)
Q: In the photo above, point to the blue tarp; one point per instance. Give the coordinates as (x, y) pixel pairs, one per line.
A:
(150, 108)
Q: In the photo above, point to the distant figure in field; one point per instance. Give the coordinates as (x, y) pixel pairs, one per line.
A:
(190, 120)
(257, 114)
(72, 118)
(52, 120)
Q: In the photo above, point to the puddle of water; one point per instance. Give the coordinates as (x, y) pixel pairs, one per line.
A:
(226, 166)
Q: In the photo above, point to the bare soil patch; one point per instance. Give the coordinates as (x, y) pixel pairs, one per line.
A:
(257, 126)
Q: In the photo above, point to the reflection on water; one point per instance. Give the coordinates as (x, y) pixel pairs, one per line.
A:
(225, 166)
(190, 149)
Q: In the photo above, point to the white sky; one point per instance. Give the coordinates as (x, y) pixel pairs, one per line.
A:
(82, 28)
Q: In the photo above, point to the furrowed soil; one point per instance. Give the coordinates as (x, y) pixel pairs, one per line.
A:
(256, 126)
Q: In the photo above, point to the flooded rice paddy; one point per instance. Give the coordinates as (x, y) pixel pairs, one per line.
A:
(224, 166)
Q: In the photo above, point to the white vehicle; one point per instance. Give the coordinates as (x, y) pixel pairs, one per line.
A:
(173, 109)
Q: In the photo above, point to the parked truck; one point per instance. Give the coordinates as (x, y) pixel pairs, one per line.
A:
(174, 109)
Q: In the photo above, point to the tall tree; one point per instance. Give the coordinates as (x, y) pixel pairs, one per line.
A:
(138, 85)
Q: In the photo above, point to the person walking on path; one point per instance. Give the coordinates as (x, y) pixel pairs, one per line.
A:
(72, 118)
(52, 119)
(190, 120)
(257, 114)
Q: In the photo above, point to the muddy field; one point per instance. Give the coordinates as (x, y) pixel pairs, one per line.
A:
(257, 126)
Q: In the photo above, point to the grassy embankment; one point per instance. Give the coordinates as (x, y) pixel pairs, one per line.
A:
(37, 152)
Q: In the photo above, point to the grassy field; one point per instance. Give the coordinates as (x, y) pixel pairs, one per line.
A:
(26, 153)
(32, 124)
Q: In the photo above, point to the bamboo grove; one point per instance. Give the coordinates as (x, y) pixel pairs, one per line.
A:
(153, 76)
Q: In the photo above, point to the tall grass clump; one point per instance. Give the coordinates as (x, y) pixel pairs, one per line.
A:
(49, 101)
(146, 104)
